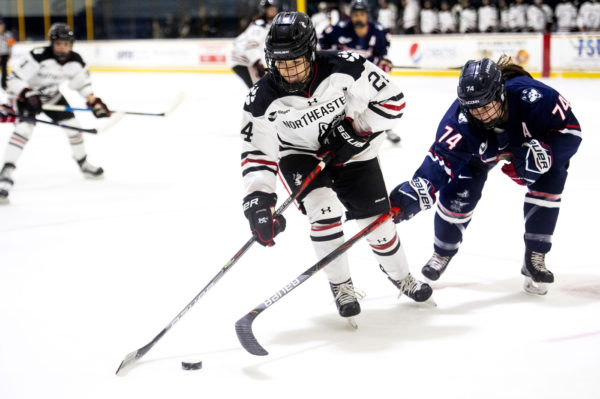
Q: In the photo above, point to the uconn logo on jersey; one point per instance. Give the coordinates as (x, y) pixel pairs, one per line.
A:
(316, 114)
(530, 95)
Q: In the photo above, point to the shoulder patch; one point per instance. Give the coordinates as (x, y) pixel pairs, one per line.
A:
(260, 96)
(41, 53)
(348, 56)
(531, 95)
(462, 118)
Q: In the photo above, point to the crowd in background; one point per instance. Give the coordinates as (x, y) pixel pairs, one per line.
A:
(471, 16)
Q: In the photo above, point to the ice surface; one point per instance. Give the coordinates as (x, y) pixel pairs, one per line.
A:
(92, 270)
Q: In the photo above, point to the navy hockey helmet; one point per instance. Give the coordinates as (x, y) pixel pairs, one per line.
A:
(479, 84)
(291, 36)
(60, 31)
(359, 5)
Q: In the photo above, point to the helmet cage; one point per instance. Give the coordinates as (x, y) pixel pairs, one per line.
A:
(291, 36)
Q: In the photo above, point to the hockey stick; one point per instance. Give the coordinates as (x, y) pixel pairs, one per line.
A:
(63, 108)
(133, 356)
(243, 327)
(109, 123)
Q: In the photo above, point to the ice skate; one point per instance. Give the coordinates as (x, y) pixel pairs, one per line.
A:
(435, 266)
(417, 290)
(89, 170)
(537, 277)
(5, 185)
(346, 300)
(393, 137)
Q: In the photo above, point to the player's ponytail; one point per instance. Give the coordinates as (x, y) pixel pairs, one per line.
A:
(510, 69)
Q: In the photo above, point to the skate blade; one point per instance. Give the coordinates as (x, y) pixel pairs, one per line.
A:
(352, 323)
(535, 288)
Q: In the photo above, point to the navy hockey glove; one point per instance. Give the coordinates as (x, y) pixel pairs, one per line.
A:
(342, 141)
(29, 103)
(529, 162)
(99, 109)
(411, 197)
(258, 209)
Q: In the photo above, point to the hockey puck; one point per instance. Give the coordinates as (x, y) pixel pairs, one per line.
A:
(191, 365)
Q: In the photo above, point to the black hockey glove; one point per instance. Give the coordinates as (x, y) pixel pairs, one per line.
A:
(529, 162)
(29, 103)
(99, 109)
(411, 197)
(258, 209)
(342, 142)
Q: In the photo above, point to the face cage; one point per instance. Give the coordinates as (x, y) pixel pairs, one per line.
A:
(292, 87)
(490, 124)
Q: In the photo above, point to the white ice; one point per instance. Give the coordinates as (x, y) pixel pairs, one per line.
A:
(92, 270)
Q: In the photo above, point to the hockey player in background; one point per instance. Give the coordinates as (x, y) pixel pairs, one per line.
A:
(248, 50)
(501, 113)
(310, 104)
(35, 81)
(366, 38)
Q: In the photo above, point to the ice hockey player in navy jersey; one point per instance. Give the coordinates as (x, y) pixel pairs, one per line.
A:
(35, 81)
(366, 38)
(310, 104)
(501, 114)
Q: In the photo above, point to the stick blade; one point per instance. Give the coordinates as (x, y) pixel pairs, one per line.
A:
(243, 329)
(127, 363)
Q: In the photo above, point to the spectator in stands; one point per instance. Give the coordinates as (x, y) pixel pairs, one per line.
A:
(410, 16)
(388, 16)
(566, 16)
(488, 17)
(588, 19)
(468, 18)
(446, 19)
(504, 16)
(517, 12)
(324, 17)
(6, 43)
(539, 17)
(429, 18)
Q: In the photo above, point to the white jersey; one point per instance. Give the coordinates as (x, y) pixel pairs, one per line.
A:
(517, 17)
(566, 17)
(588, 18)
(447, 22)
(538, 17)
(488, 18)
(276, 124)
(504, 19)
(468, 20)
(410, 18)
(41, 71)
(249, 47)
(429, 20)
(387, 17)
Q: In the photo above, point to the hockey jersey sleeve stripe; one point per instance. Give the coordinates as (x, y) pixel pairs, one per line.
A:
(394, 107)
(261, 161)
(245, 154)
(571, 131)
(379, 112)
(258, 168)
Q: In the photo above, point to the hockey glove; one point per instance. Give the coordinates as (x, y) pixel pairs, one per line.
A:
(531, 161)
(411, 197)
(6, 114)
(342, 142)
(29, 103)
(385, 65)
(258, 209)
(99, 109)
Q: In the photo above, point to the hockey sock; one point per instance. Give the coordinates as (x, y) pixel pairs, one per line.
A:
(541, 213)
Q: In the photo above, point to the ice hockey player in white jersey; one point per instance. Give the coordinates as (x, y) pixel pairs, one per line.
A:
(35, 81)
(308, 105)
(247, 54)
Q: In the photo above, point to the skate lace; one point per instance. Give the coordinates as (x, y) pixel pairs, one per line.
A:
(346, 293)
(537, 261)
(409, 285)
(439, 262)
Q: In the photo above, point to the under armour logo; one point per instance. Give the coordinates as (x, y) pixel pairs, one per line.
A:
(382, 240)
(311, 102)
(325, 210)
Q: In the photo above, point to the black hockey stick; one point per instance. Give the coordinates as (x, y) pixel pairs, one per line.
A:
(133, 356)
(62, 108)
(33, 119)
(243, 327)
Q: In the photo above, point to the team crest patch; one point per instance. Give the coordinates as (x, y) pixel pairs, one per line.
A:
(347, 55)
(483, 147)
(251, 95)
(530, 95)
(462, 118)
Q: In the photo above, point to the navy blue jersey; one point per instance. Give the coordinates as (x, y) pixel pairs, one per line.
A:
(535, 110)
(374, 46)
